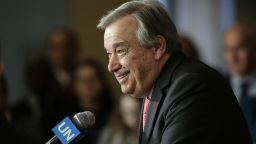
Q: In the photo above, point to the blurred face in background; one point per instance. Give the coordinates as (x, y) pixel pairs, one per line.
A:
(59, 50)
(88, 85)
(238, 51)
(130, 109)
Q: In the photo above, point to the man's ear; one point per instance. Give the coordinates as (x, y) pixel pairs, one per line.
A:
(159, 47)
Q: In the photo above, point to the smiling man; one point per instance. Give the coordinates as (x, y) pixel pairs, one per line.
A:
(134, 66)
(181, 96)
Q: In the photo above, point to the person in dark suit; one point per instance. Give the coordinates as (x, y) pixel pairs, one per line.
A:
(185, 101)
(240, 54)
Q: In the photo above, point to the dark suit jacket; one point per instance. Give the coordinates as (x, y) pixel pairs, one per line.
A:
(251, 118)
(192, 104)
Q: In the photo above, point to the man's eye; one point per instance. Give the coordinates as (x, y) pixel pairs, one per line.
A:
(120, 51)
(109, 54)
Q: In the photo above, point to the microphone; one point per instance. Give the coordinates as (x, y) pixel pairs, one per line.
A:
(71, 129)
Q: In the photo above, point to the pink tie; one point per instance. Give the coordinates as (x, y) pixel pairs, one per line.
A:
(145, 111)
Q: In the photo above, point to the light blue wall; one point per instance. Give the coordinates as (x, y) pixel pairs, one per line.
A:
(24, 25)
(204, 21)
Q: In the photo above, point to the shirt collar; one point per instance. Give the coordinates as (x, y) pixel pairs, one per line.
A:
(151, 92)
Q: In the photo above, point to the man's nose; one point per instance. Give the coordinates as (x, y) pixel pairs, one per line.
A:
(113, 64)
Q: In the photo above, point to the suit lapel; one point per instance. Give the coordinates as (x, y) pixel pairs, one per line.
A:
(158, 96)
(152, 114)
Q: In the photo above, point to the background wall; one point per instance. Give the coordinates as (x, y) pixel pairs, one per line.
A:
(24, 26)
(246, 11)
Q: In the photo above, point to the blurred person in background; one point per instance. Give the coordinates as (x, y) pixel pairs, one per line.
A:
(188, 47)
(93, 94)
(49, 78)
(8, 132)
(123, 127)
(240, 53)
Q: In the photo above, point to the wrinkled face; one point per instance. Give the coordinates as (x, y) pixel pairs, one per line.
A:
(238, 55)
(58, 50)
(132, 64)
(87, 83)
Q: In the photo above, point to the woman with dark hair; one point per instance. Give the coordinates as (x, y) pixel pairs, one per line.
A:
(123, 127)
(93, 94)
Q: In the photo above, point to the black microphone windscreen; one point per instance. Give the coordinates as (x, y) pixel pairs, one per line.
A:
(84, 119)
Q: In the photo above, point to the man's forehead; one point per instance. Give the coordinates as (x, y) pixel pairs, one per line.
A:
(114, 44)
(235, 32)
(121, 30)
(234, 37)
(113, 39)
